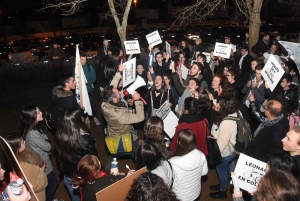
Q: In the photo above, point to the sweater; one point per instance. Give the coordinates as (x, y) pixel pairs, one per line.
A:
(165, 172)
(226, 135)
(188, 170)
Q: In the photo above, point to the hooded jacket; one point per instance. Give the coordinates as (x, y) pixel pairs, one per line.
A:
(188, 170)
(67, 97)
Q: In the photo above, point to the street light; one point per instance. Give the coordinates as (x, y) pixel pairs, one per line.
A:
(134, 11)
(134, 4)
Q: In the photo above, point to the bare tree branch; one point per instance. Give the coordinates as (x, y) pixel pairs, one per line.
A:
(69, 7)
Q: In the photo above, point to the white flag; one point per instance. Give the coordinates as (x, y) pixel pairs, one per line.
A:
(85, 100)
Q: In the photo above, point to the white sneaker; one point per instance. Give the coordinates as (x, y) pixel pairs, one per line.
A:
(96, 120)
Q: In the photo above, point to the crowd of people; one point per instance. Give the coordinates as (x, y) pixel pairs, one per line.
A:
(215, 92)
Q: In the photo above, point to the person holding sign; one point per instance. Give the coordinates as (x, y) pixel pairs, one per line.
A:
(159, 67)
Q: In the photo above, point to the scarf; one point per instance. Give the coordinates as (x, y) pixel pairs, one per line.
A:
(190, 118)
(267, 123)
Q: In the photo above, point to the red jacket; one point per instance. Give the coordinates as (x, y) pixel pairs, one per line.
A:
(199, 128)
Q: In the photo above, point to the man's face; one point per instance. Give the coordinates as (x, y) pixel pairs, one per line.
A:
(55, 46)
(197, 42)
(227, 40)
(159, 58)
(83, 60)
(194, 71)
(158, 81)
(72, 83)
(244, 52)
(284, 84)
(290, 142)
(273, 49)
(258, 74)
(105, 43)
(117, 98)
(267, 37)
(253, 65)
(246, 35)
(139, 69)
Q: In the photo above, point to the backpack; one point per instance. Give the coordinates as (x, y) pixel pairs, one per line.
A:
(294, 120)
(54, 114)
(244, 134)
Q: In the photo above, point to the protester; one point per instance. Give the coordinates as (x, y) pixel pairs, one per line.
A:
(171, 88)
(290, 91)
(272, 51)
(262, 45)
(215, 89)
(185, 49)
(194, 117)
(159, 67)
(198, 47)
(245, 62)
(37, 140)
(57, 55)
(233, 78)
(189, 164)
(104, 50)
(32, 165)
(225, 131)
(72, 141)
(149, 186)
(205, 69)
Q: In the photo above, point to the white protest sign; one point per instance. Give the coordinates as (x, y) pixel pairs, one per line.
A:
(132, 47)
(272, 72)
(153, 38)
(294, 51)
(222, 50)
(169, 118)
(129, 72)
(248, 171)
(207, 56)
(168, 49)
(184, 71)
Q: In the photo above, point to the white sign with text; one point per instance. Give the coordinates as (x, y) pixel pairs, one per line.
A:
(248, 171)
(294, 51)
(132, 47)
(272, 72)
(222, 50)
(184, 71)
(153, 38)
(168, 49)
(129, 72)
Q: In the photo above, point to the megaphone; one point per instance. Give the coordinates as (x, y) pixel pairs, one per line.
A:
(139, 82)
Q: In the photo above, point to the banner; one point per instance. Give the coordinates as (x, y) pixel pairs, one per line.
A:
(129, 72)
(169, 118)
(294, 51)
(222, 50)
(81, 92)
(153, 38)
(132, 47)
(168, 49)
(248, 171)
(272, 72)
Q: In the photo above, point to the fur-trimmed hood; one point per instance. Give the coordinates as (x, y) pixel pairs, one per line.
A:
(29, 156)
(59, 92)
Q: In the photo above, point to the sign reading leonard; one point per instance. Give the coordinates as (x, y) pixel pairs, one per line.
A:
(132, 47)
(272, 72)
(153, 38)
(222, 50)
(129, 72)
(248, 171)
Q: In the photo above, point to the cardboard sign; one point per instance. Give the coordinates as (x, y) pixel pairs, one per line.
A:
(248, 171)
(120, 189)
(184, 71)
(222, 50)
(294, 51)
(132, 47)
(129, 72)
(168, 49)
(153, 38)
(16, 166)
(207, 56)
(272, 72)
(169, 118)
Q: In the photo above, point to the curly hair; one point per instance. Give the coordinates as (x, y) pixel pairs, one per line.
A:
(227, 89)
(228, 105)
(153, 130)
(149, 186)
(197, 106)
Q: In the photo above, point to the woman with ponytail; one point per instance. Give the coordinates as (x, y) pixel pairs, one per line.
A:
(194, 117)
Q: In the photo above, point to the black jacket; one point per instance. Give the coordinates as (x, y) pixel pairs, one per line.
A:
(260, 47)
(67, 97)
(246, 64)
(268, 140)
(207, 74)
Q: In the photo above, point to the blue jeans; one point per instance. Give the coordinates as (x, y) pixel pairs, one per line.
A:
(72, 192)
(223, 170)
(53, 182)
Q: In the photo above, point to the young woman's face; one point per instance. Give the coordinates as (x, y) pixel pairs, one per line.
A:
(229, 77)
(193, 86)
(225, 71)
(22, 146)
(167, 81)
(253, 65)
(215, 83)
(121, 53)
(149, 76)
(39, 115)
(158, 81)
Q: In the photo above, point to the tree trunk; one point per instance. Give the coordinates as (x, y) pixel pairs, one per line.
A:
(254, 26)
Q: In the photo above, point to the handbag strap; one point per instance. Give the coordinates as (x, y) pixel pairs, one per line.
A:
(171, 186)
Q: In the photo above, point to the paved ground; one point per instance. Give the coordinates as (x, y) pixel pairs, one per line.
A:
(11, 102)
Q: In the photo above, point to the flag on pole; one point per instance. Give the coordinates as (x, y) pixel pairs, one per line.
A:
(81, 92)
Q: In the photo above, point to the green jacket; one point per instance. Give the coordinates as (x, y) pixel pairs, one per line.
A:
(90, 76)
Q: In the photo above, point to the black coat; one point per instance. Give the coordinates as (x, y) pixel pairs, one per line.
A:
(260, 47)
(268, 140)
(207, 74)
(246, 64)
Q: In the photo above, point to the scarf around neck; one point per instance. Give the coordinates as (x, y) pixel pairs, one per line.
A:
(267, 123)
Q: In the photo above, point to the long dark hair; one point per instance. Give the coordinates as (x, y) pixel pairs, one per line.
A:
(196, 106)
(228, 105)
(67, 137)
(148, 155)
(153, 130)
(163, 86)
(14, 140)
(28, 120)
(186, 142)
